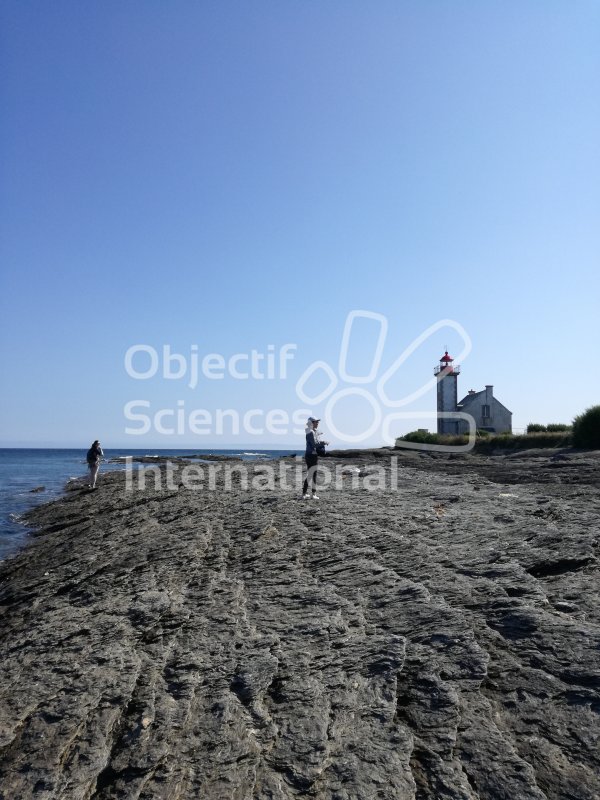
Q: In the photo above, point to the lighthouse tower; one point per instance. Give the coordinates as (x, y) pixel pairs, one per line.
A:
(447, 392)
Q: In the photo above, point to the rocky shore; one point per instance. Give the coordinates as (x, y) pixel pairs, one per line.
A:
(436, 640)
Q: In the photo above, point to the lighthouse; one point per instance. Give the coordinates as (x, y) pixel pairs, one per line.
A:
(447, 397)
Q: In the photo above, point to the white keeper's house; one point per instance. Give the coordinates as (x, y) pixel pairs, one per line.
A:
(488, 412)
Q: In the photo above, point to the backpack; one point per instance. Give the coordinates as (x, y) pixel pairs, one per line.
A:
(92, 455)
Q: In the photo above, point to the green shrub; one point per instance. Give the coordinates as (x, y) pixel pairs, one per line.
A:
(424, 437)
(534, 427)
(420, 437)
(586, 428)
(482, 434)
(557, 427)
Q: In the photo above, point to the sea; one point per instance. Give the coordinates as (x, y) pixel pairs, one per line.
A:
(29, 477)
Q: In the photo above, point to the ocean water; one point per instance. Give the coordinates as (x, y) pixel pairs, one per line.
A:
(23, 470)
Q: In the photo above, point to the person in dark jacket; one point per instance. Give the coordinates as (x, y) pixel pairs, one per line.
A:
(311, 456)
(94, 454)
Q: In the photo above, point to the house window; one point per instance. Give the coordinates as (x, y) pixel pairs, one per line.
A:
(485, 411)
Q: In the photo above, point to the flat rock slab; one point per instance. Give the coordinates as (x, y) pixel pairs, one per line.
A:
(438, 640)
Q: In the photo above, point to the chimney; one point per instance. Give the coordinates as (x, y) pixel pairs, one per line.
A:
(472, 391)
(489, 394)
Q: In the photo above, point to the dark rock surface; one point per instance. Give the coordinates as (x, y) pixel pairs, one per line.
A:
(172, 459)
(436, 641)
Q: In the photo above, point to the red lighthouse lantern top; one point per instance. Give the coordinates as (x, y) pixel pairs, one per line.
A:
(446, 366)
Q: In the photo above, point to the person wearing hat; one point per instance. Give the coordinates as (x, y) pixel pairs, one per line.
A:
(311, 456)
(94, 454)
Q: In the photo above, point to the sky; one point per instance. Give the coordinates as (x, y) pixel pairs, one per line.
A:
(214, 178)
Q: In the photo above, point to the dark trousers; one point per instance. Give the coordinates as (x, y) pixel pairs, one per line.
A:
(311, 476)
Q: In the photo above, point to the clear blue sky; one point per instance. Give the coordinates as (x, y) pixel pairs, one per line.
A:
(235, 175)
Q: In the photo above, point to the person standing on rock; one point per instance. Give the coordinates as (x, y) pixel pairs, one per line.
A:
(314, 447)
(94, 454)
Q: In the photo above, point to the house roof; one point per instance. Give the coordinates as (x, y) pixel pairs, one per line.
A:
(469, 397)
(466, 401)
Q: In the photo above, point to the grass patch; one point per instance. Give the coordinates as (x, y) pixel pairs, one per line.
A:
(524, 441)
(491, 441)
